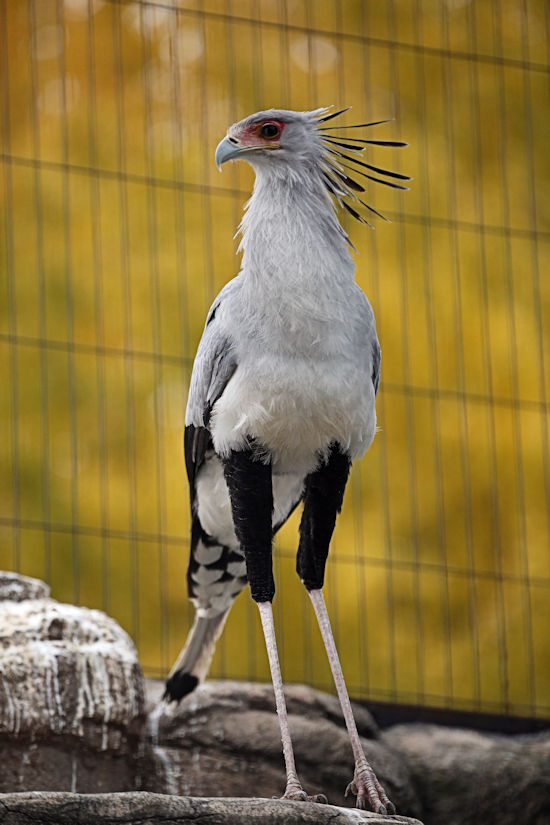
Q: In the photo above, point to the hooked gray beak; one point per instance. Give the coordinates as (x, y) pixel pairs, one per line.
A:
(227, 150)
(231, 148)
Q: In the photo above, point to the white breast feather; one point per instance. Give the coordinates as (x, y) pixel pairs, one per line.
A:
(301, 332)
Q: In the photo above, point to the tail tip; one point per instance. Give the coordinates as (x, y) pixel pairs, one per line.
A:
(179, 685)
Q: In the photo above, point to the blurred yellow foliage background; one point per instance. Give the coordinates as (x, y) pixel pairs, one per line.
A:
(117, 232)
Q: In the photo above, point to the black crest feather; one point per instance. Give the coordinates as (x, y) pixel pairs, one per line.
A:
(339, 164)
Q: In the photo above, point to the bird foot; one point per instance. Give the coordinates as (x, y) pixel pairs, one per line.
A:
(367, 788)
(297, 794)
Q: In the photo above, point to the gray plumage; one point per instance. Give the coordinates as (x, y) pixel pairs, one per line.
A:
(293, 339)
(288, 365)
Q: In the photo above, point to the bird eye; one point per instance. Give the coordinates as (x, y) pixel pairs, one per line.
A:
(270, 130)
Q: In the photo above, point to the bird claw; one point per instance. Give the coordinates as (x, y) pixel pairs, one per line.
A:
(366, 787)
(297, 794)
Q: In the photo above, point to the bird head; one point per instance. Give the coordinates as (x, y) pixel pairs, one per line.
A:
(275, 137)
(305, 143)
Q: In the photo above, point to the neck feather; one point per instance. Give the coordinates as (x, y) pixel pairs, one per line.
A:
(290, 232)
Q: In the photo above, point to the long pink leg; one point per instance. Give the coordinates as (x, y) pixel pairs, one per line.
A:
(293, 789)
(364, 784)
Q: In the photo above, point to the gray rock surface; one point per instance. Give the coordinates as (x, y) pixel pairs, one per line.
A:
(70, 686)
(463, 777)
(224, 739)
(153, 809)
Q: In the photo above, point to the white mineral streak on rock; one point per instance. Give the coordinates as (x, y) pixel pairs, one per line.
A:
(56, 691)
(102, 680)
(162, 757)
(74, 774)
(82, 700)
(61, 666)
(153, 724)
(25, 762)
(10, 712)
(50, 686)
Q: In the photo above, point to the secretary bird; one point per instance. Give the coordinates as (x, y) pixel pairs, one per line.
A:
(282, 396)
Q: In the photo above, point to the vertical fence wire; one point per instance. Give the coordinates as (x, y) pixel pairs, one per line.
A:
(464, 462)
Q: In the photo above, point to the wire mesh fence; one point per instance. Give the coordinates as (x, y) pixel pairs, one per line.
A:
(117, 232)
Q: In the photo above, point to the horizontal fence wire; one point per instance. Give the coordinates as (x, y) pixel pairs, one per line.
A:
(117, 233)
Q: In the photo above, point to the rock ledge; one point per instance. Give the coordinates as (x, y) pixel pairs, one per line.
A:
(151, 809)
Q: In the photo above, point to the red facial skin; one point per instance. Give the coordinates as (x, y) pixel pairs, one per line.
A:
(251, 136)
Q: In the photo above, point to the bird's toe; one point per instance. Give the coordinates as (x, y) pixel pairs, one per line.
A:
(296, 793)
(369, 792)
(319, 798)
